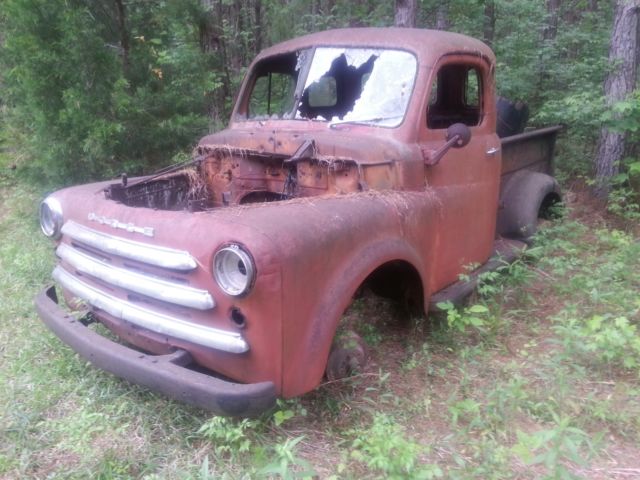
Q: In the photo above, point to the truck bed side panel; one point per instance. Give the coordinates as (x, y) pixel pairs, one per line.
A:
(529, 151)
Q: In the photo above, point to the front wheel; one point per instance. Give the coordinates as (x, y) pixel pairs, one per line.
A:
(348, 356)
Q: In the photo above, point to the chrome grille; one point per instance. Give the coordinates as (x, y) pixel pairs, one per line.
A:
(142, 252)
(136, 282)
(93, 264)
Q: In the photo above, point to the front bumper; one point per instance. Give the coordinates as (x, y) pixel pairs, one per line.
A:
(166, 374)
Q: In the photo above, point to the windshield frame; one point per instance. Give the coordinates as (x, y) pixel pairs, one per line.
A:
(242, 109)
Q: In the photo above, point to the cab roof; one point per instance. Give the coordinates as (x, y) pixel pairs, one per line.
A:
(427, 45)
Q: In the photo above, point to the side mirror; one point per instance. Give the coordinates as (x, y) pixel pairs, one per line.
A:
(462, 132)
(458, 135)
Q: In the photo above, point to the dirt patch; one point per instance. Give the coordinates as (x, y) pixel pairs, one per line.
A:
(586, 208)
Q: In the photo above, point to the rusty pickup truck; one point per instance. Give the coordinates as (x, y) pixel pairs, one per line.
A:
(353, 156)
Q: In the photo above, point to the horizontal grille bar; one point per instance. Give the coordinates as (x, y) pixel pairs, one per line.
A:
(156, 322)
(146, 285)
(142, 252)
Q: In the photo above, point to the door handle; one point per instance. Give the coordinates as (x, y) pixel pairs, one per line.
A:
(492, 151)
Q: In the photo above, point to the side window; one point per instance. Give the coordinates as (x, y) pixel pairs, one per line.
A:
(472, 93)
(274, 83)
(271, 95)
(456, 97)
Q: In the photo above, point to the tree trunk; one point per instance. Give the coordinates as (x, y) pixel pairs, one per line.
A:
(551, 27)
(406, 13)
(442, 17)
(489, 22)
(124, 36)
(619, 83)
(257, 10)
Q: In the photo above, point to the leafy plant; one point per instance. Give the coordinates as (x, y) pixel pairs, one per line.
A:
(475, 316)
(624, 198)
(467, 409)
(554, 448)
(288, 409)
(286, 464)
(228, 435)
(90, 105)
(603, 339)
(384, 448)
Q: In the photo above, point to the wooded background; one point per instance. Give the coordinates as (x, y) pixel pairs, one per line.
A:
(90, 89)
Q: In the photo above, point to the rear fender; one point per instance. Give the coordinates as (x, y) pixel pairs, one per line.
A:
(521, 199)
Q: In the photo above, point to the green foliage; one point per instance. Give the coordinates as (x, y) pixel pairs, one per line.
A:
(474, 316)
(602, 339)
(600, 328)
(467, 410)
(287, 410)
(228, 435)
(624, 198)
(384, 448)
(624, 116)
(88, 109)
(286, 464)
(553, 447)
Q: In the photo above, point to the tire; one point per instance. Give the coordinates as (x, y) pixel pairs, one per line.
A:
(348, 356)
(525, 196)
(512, 117)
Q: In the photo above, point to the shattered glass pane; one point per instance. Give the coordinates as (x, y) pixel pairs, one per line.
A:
(358, 85)
(385, 95)
(302, 59)
(324, 57)
(371, 86)
(357, 56)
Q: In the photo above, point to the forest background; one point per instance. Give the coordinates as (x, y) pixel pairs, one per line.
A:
(90, 89)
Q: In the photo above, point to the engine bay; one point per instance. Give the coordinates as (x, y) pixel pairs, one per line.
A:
(220, 176)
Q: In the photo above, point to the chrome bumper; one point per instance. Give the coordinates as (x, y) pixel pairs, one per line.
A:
(167, 374)
(156, 322)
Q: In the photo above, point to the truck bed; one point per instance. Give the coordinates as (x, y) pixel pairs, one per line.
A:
(532, 150)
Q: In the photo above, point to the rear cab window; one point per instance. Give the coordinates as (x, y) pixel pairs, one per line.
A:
(456, 96)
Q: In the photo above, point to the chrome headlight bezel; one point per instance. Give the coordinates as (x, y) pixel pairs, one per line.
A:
(51, 218)
(234, 270)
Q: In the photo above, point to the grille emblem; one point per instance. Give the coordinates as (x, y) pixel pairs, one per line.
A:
(113, 223)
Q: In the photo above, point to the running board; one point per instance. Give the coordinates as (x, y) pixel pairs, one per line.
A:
(506, 251)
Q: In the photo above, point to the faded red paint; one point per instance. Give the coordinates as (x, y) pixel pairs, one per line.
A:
(364, 198)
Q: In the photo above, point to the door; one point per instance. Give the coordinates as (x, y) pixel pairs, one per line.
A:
(466, 180)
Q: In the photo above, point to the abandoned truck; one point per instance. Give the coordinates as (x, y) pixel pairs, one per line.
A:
(353, 156)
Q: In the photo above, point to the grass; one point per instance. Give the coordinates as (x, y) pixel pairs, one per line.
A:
(538, 377)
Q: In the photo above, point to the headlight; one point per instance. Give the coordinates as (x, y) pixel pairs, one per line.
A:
(51, 217)
(234, 270)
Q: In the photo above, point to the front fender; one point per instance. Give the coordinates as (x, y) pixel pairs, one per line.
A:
(327, 246)
(310, 352)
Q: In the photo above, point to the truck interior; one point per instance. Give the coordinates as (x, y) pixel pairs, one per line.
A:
(456, 97)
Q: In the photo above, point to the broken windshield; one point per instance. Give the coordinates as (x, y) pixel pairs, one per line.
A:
(358, 85)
